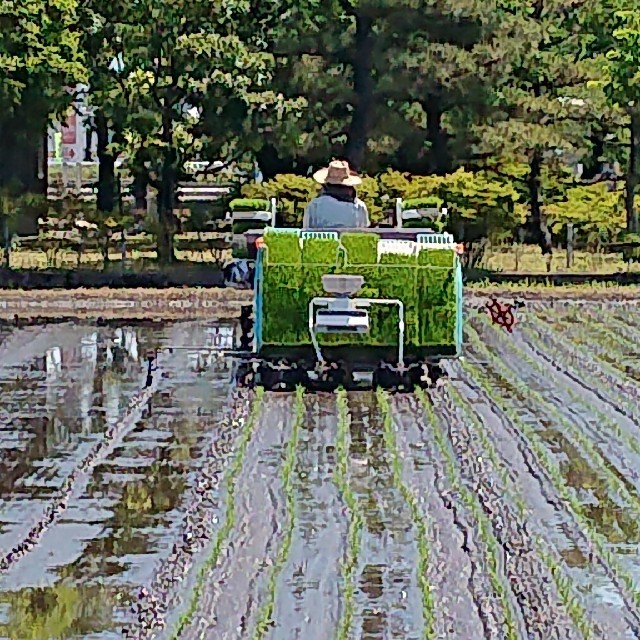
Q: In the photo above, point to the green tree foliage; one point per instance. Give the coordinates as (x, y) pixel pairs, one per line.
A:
(596, 213)
(489, 106)
(614, 41)
(195, 76)
(40, 55)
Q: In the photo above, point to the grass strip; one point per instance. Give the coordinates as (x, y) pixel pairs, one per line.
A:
(356, 523)
(565, 586)
(428, 606)
(629, 590)
(498, 581)
(265, 617)
(229, 523)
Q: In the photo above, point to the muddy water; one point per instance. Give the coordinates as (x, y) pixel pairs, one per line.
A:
(600, 594)
(107, 540)
(388, 599)
(237, 587)
(309, 596)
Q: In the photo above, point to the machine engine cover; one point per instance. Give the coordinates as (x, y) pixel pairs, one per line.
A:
(343, 321)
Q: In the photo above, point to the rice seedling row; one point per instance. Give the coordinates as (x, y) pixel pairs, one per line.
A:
(422, 569)
(622, 579)
(622, 396)
(503, 606)
(600, 448)
(492, 472)
(560, 527)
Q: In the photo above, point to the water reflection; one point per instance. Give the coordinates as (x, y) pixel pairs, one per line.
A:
(56, 613)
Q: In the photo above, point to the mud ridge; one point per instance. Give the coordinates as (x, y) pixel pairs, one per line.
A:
(237, 585)
(197, 528)
(631, 610)
(543, 614)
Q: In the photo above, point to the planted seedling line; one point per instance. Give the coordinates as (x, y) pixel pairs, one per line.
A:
(356, 523)
(227, 527)
(577, 347)
(515, 567)
(498, 581)
(265, 621)
(614, 483)
(565, 586)
(618, 576)
(428, 606)
(606, 373)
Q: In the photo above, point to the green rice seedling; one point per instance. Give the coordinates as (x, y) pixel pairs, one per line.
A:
(428, 605)
(266, 612)
(566, 587)
(497, 580)
(230, 512)
(425, 284)
(356, 523)
(617, 574)
(614, 484)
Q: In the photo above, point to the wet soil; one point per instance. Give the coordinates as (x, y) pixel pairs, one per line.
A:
(119, 512)
(236, 587)
(309, 594)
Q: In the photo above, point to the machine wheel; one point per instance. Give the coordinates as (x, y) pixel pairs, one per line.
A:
(329, 379)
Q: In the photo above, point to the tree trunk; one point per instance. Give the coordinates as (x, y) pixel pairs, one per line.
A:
(166, 193)
(270, 162)
(633, 177)
(363, 86)
(537, 223)
(106, 166)
(439, 156)
(140, 183)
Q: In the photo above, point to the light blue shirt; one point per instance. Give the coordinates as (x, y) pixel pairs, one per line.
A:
(325, 212)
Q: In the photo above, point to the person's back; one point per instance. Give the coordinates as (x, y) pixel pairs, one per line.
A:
(337, 205)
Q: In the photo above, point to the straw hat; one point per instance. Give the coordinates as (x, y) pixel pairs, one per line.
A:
(338, 172)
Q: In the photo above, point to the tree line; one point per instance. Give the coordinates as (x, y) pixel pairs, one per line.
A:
(519, 90)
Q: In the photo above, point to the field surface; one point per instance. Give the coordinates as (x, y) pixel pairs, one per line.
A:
(504, 505)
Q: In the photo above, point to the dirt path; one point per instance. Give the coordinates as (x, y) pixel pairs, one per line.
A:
(308, 601)
(459, 615)
(236, 588)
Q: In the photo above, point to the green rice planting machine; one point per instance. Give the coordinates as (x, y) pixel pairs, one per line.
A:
(377, 307)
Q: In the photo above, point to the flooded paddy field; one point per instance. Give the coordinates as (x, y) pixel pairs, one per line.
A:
(504, 505)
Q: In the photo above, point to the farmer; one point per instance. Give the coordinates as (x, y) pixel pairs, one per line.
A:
(337, 204)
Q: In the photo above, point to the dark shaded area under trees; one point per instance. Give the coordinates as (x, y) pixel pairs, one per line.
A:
(511, 92)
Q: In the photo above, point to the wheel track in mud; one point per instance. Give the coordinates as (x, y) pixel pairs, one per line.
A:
(617, 475)
(450, 561)
(77, 480)
(197, 527)
(583, 531)
(490, 610)
(491, 478)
